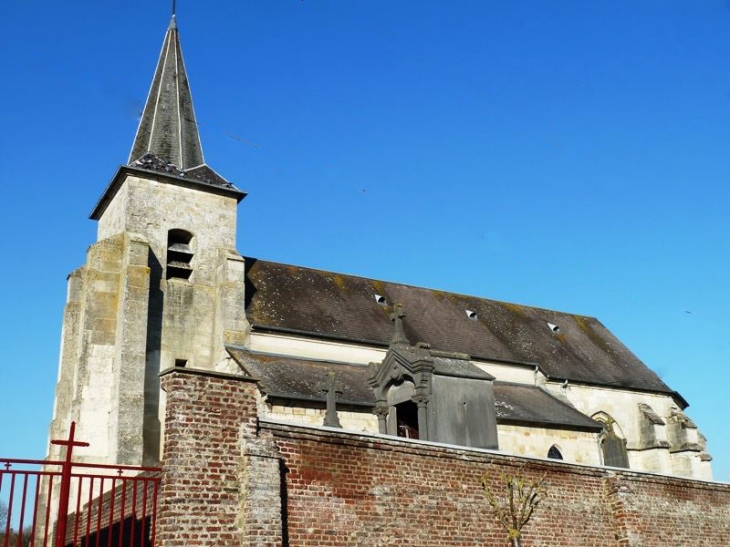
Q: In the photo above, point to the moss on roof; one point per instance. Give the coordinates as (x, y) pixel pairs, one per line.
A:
(325, 304)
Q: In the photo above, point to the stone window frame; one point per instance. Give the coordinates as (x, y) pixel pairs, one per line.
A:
(555, 453)
(612, 432)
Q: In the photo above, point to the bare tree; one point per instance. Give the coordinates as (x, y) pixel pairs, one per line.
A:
(518, 503)
(3, 520)
(3, 516)
(13, 535)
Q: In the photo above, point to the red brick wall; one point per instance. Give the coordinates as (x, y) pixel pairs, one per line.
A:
(655, 511)
(299, 486)
(346, 489)
(206, 416)
(350, 490)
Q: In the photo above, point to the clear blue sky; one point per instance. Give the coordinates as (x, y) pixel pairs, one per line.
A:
(571, 155)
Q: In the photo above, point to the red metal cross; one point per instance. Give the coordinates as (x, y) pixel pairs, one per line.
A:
(69, 443)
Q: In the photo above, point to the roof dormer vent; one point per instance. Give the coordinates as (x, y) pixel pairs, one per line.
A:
(553, 327)
(380, 299)
(471, 314)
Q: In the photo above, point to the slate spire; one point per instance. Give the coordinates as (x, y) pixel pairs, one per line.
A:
(168, 129)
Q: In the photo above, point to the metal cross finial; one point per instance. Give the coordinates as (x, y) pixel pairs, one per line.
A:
(399, 337)
(330, 387)
(173, 7)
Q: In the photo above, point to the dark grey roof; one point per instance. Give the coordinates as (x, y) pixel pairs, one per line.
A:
(294, 379)
(168, 128)
(530, 405)
(299, 379)
(324, 304)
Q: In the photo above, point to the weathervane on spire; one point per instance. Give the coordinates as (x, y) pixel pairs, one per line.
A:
(173, 8)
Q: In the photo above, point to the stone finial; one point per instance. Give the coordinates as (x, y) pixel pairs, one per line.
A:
(330, 386)
(399, 336)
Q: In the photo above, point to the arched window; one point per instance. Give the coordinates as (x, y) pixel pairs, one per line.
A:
(179, 254)
(554, 453)
(613, 444)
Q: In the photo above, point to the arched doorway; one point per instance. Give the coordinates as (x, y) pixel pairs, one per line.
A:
(402, 418)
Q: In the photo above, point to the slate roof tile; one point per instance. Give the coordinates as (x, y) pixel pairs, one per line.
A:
(326, 304)
(293, 379)
(531, 405)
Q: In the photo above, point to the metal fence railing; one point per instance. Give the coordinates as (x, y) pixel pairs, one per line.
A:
(47, 503)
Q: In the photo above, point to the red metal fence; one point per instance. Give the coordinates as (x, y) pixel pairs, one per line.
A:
(60, 503)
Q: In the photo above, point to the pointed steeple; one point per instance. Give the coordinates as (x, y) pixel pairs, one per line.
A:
(168, 129)
(167, 144)
(167, 141)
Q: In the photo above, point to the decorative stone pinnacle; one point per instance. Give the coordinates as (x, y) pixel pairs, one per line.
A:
(399, 336)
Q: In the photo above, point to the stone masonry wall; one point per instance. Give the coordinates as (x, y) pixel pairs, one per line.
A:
(186, 319)
(623, 407)
(575, 446)
(102, 363)
(231, 479)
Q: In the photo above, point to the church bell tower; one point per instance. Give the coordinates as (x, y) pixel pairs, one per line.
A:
(162, 286)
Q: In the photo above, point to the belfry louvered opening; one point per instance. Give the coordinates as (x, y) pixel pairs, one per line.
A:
(179, 254)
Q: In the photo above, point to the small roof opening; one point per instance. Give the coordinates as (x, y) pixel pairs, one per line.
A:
(553, 327)
(380, 299)
(471, 314)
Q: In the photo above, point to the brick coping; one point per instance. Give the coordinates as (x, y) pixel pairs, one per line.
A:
(209, 373)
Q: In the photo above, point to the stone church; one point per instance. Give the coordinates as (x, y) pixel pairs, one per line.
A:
(165, 287)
